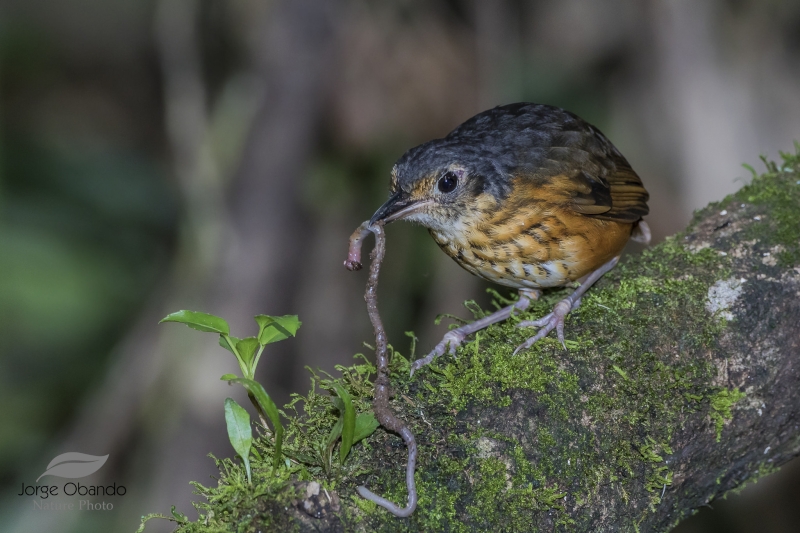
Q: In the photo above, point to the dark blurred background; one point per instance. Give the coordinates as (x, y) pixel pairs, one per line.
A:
(158, 155)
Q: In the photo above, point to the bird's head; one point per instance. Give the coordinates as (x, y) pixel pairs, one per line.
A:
(438, 183)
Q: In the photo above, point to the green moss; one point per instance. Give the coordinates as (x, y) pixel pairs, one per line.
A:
(510, 492)
(721, 404)
(234, 504)
(780, 225)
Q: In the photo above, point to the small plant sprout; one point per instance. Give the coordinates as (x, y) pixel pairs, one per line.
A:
(247, 352)
(299, 448)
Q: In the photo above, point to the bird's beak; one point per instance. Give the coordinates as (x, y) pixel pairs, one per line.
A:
(396, 207)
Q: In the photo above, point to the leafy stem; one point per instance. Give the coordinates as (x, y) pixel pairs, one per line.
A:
(235, 352)
(247, 352)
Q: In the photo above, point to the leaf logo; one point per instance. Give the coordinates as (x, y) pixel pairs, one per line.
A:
(74, 465)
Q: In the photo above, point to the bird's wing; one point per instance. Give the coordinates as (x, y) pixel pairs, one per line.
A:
(593, 177)
(612, 192)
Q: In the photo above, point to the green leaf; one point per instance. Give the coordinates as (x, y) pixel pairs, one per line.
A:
(199, 321)
(349, 421)
(269, 407)
(247, 349)
(239, 431)
(337, 403)
(366, 424)
(228, 377)
(276, 328)
(224, 343)
(336, 430)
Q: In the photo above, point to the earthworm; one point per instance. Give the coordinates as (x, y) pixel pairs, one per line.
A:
(380, 404)
(353, 261)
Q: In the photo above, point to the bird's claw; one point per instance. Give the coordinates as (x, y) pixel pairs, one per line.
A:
(449, 343)
(548, 323)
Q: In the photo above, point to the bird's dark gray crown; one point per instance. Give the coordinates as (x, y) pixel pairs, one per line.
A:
(498, 143)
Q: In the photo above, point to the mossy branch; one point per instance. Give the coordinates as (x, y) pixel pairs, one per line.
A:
(679, 384)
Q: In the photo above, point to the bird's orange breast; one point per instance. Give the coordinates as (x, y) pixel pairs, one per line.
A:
(530, 242)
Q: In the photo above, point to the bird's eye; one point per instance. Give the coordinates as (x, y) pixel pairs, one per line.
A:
(448, 182)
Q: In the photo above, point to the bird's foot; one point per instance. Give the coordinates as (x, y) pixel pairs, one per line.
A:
(449, 343)
(548, 323)
(453, 339)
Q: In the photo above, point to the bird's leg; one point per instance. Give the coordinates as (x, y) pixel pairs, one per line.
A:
(453, 339)
(555, 320)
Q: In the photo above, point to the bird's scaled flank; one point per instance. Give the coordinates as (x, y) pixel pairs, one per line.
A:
(525, 195)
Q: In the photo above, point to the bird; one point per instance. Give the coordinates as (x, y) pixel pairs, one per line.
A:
(528, 196)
